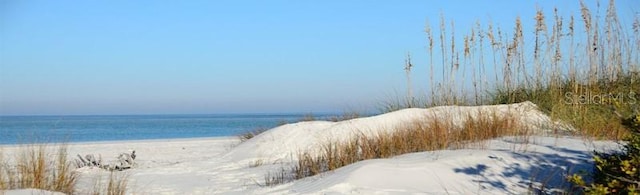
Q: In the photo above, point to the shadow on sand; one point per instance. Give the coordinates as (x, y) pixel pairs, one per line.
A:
(544, 173)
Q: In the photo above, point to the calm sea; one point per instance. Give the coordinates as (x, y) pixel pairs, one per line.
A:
(28, 129)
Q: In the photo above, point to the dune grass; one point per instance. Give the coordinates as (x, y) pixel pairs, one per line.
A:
(116, 184)
(420, 136)
(591, 111)
(423, 135)
(34, 166)
(574, 68)
(47, 167)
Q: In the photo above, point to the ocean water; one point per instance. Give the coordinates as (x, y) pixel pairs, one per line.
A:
(29, 129)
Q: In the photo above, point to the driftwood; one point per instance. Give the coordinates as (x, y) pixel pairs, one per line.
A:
(88, 160)
(124, 161)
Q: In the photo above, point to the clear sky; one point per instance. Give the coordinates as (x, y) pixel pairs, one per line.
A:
(177, 57)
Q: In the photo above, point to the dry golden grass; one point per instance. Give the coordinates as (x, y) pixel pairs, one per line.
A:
(564, 56)
(4, 175)
(117, 184)
(35, 167)
(271, 179)
(434, 134)
(46, 167)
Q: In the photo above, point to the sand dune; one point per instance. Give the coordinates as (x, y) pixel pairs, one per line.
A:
(224, 165)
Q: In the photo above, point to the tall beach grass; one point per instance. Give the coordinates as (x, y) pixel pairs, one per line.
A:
(426, 134)
(421, 135)
(47, 167)
(40, 167)
(574, 67)
(577, 69)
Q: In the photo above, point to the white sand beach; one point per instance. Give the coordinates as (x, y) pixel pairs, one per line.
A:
(508, 165)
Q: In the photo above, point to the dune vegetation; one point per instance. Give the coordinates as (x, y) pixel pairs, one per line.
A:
(583, 70)
(36, 166)
(419, 136)
(47, 167)
(576, 69)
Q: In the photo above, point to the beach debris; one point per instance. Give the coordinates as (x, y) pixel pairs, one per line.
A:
(125, 160)
(88, 160)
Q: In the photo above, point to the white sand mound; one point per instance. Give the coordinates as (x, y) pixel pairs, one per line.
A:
(285, 142)
(507, 167)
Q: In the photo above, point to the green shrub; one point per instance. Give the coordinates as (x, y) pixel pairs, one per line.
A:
(617, 172)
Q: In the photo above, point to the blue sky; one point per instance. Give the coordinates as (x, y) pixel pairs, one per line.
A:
(177, 57)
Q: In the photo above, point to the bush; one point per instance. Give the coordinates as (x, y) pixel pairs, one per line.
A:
(617, 172)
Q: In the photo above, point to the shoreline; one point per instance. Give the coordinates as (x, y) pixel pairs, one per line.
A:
(132, 141)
